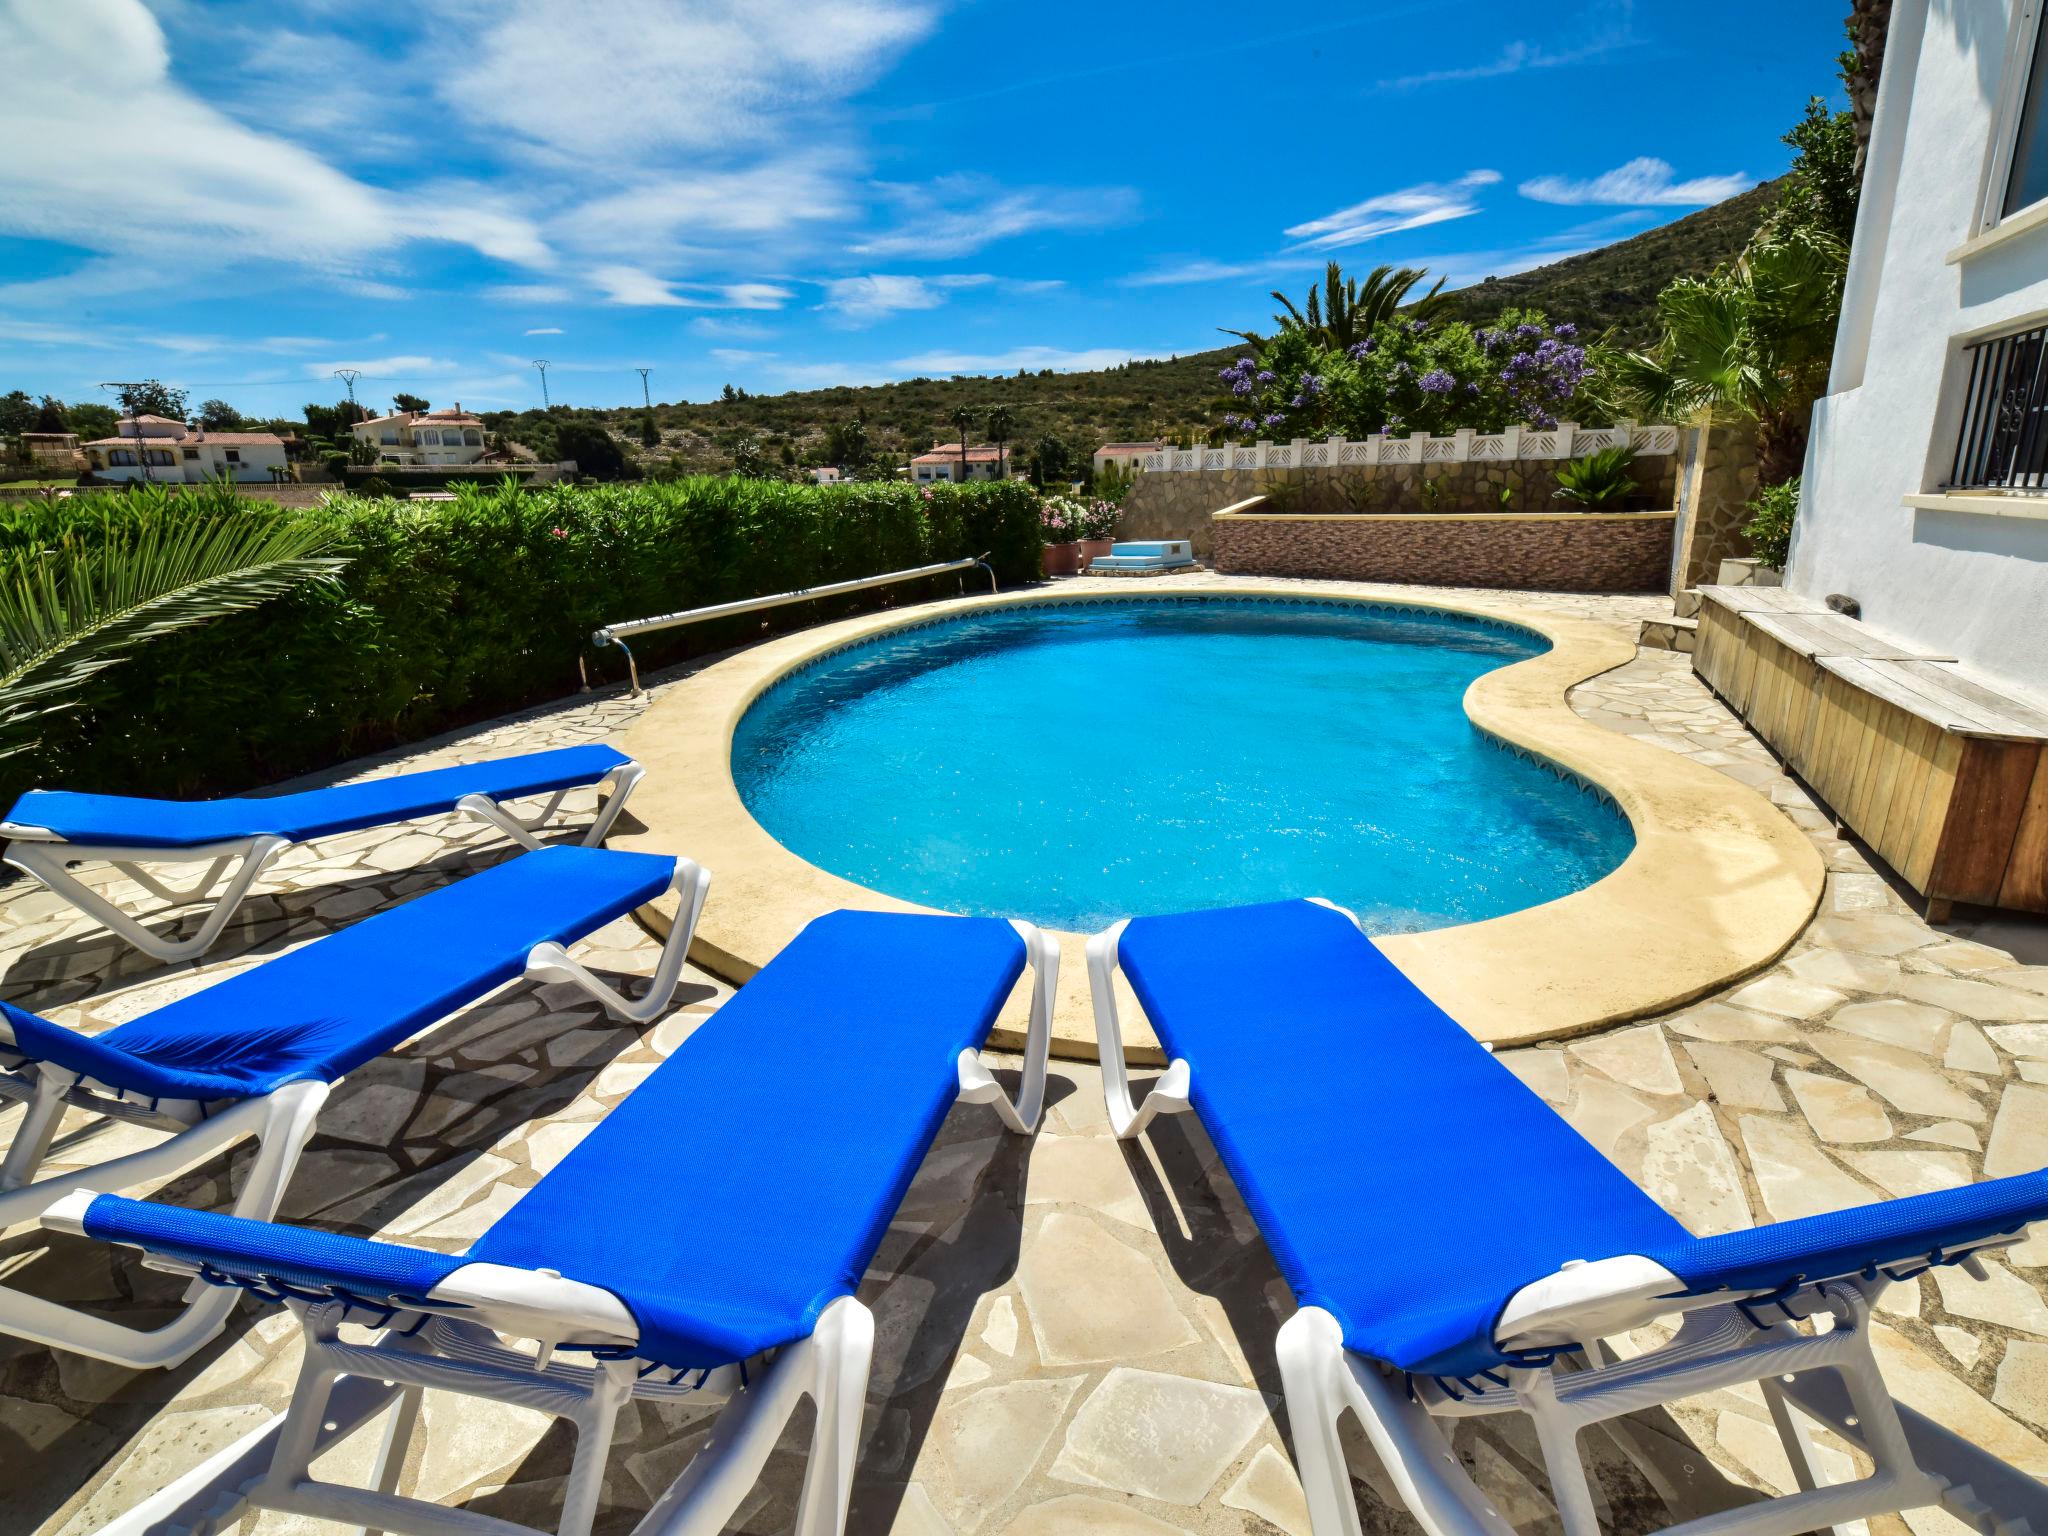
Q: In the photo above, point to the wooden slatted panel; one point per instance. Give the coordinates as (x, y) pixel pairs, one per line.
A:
(1716, 647)
(1940, 694)
(1993, 783)
(2026, 876)
(1894, 838)
(1760, 600)
(1829, 634)
(1918, 863)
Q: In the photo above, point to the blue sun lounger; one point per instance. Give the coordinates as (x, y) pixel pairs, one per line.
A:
(49, 831)
(807, 1102)
(1457, 1249)
(255, 1055)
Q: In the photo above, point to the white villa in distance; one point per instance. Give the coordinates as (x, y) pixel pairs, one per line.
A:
(943, 463)
(160, 449)
(1925, 497)
(1126, 456)
(424, 437)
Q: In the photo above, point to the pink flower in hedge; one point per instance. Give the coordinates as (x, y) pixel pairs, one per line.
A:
(560, 533)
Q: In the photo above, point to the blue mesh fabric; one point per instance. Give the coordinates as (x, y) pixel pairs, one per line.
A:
(121, 820)
(746, 1184)
(1892, 1234)
(265, 1251)
(1406, 1181)
(321, 1011)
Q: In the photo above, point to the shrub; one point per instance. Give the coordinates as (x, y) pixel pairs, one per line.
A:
(1599, 479)
(456, 611)
(1769, 529)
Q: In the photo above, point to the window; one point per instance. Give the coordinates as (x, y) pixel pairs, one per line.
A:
(472, 438)
(2003, 441)
(159, 456)
(120, 458)
(2026, 180)
(191, 454)
(234, 455)
(426, 438)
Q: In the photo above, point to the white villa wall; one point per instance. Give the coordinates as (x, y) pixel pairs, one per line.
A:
(1957, 582)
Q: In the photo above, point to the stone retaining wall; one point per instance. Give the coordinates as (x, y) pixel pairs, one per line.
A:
(1550, 552)
(1177, 504)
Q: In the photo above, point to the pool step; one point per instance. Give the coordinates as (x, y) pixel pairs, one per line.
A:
(1143, 556)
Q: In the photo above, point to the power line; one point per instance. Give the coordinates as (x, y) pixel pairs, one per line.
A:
(349, 376)
(542, 364)
(645, 398)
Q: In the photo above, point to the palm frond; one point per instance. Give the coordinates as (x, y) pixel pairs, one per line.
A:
(70, 611)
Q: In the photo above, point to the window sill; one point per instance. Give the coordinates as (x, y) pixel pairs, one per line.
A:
(2011, 228)
(1982, 505)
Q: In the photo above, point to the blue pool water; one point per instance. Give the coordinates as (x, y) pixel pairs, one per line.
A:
(1073, 764)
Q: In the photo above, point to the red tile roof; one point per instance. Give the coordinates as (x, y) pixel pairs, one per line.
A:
(951, 452)
(1130, 448)
(189, 440)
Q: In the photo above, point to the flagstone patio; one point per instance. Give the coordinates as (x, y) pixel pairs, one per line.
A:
(1076, 1335)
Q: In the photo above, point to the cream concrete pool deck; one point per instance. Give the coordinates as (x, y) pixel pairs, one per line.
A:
(1076, 1335)
(1717, 886)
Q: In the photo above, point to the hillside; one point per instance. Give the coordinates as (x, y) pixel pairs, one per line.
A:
(1615, 286)
(1618, 284)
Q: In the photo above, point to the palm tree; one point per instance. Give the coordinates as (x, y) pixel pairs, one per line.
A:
(1344, 311)
(963, 423)
(1000, 426)
(71, 610)
(1752, 341)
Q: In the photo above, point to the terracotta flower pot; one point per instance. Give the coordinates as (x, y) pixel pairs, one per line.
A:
(1090, 548)
(1062, 559)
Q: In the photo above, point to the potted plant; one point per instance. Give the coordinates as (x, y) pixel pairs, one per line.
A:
(1060, 521)
(1098, 530)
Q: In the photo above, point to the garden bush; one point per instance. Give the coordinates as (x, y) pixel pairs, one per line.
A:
(451, 612)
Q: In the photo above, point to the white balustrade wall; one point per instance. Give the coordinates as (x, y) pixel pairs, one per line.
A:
(1566, 440)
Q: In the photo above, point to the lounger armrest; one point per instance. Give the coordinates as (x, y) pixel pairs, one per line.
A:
(1584, 1301)
(525, 1303)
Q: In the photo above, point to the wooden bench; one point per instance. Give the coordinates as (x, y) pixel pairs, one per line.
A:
(1944, 777)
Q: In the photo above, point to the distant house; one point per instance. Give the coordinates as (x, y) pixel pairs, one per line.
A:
(178, 452)
(424, 437)
(827, 474)
(1126, 456)
(52, 452)
(943, 463)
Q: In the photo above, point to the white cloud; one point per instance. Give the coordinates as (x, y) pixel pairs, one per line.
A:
(859, 300)
(959, 214)
(1205, 271)
(1058, 359)
(720, 325)
(1512, 60)
(529, 293)
(402, 366)
(739, 355)
(639, 288)
(1408, 208)
(544, 330)
(102, 87)
(1644, 182)
(584, 78)
(653, 215)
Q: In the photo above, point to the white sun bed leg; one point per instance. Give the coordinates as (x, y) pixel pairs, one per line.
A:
(1310, 1351)
(38, 1128)
(281, 1122)
(978, 1084)
(1169, 1094)
(831, 1368)
(616, 786)
(843, 1344)
(48, 861)
(551, 962)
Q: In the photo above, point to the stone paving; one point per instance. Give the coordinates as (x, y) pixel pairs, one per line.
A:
(1076, 1335)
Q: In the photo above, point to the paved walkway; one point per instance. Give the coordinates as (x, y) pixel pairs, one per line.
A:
(1076, 1336)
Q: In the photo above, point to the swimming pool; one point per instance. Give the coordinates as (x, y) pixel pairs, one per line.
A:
(1073, 763)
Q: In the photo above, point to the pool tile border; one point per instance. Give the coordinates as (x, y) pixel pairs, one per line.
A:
(1718, 885)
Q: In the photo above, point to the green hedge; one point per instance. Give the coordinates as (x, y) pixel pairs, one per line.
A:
(456, 611)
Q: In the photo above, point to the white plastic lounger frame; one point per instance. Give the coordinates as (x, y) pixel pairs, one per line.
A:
(344, 1384)
(50, 858)
(1828, 1376)
(281, 1122)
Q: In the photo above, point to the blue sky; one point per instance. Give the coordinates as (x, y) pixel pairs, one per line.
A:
(240, 196)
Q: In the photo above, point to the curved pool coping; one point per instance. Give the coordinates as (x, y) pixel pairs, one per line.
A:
(1718, 885)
